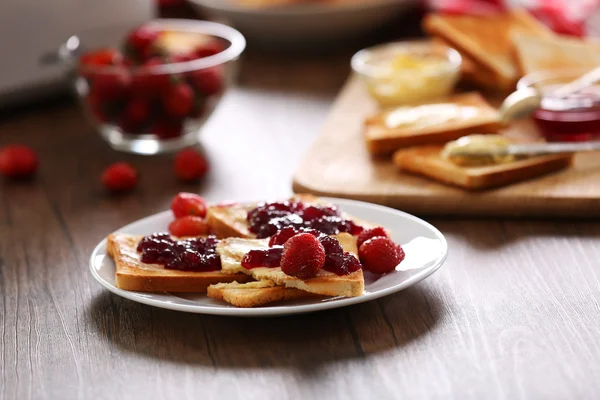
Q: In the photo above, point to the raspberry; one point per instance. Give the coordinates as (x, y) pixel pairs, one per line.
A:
(17, 161)
(208, 81)
(178, 101)
(303, 256)
(190, 165)
(188, 226)
(380, 255)
(188, 204)
(370, 233)
(119, 177)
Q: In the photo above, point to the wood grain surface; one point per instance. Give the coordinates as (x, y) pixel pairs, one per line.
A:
(514, 313)
(339, 165)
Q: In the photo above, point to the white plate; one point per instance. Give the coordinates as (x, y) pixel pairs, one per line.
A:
(314, 23)
(425, 247)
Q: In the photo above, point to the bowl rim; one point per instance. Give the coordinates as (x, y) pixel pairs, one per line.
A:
(233, 36)
(536, 77)
(359, 65)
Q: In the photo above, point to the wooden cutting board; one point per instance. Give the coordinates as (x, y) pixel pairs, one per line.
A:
(338, 165)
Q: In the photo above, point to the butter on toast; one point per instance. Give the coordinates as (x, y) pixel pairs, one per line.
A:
(132, 274)
(470, 113)
(232, 251)
(486, 39)
(254, 294)
(426, 161)
(535, 53)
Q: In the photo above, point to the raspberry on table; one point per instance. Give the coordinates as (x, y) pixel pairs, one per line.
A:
(17, 161)
(190, 165)
(119, 177)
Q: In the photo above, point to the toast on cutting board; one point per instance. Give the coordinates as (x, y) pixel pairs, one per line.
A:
(132, 274)
(427, 161)
(432, 122)
(487, 39)
(535, 53)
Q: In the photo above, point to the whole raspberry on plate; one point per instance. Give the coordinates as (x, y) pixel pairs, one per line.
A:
(189, 225)
(303, 256)
(188, 204)
(119, 177)
(370, 233)
(17, 161)
(190, 165)
(380, 255)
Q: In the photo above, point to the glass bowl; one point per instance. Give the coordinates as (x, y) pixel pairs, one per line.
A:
(160, 105)
(408, 72)
(565, 119)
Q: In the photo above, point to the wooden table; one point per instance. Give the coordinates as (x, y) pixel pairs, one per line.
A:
(514, 313)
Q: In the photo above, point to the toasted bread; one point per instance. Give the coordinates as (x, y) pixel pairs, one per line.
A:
(232, 251)
(427, 161)
(226, 221)
(132, 274)
(254, 294)
(535, 53)
(482, 118)
(486, 39)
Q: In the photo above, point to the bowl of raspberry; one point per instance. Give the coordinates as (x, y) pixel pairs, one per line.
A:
(153, 92)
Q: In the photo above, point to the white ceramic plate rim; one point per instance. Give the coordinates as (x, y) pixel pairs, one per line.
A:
(151, 298)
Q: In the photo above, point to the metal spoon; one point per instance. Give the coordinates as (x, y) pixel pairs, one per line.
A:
(523, 102)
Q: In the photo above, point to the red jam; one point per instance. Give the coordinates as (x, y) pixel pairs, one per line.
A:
(336, 260)
(199, 254)
(268, 218)
(572, 119)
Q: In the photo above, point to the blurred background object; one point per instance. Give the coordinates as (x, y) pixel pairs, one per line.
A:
(32, 30)
(280, 22)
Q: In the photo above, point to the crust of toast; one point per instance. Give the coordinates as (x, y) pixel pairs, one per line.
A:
(535, 53)
(132, 274)
(486, 39)
(254, 294)
(232, 250)
(426, 161)
(381, 140)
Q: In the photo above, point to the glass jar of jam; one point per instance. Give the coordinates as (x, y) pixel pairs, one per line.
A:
(573, 118)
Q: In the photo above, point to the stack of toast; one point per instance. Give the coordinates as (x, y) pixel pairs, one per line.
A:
(497, 50)
(233, 283)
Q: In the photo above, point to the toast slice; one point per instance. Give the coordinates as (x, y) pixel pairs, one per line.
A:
(230, 220)
(426, 161)
(486, 39)
(466, 113)
(254, 294)
(233, 250)
(132, 274)
(535, 53)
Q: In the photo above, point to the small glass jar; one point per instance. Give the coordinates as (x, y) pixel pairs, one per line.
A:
(575, 117)
(402, 73)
